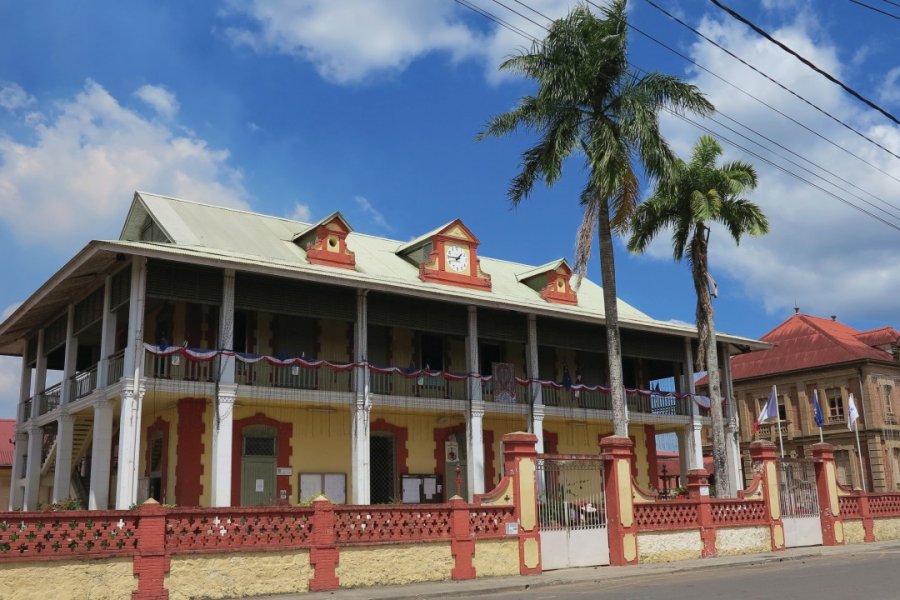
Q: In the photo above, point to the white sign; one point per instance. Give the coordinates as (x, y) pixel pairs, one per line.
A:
(284, 471)
(260, 485)
(512, 529)
(451, 451)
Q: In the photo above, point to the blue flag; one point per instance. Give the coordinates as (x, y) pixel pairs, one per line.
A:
(817, 410)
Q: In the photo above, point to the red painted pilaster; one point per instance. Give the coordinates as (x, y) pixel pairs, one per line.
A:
(150, 561)
(866, 514)
(697, 480)
(189, 451)
(615, 451)
(763, 453)
(462, 546)
(324, 554)
(519, 460)
(826, 486)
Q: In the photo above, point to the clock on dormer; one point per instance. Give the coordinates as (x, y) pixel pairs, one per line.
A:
(448, 255)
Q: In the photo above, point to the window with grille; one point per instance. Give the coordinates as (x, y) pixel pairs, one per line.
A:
(895, 456)
(887, 392)
(835, 404)
(259, 446)
(844, 467)
(782, 409)
(156, 452)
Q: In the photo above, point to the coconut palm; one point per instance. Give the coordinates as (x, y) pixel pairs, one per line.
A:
(590, 103)
(699, 193)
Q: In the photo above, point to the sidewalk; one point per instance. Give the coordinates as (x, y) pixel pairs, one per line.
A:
(444, 589)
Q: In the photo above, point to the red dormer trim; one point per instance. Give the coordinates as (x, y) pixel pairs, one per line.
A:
(559, 286)
(434, 269)
(330, 246)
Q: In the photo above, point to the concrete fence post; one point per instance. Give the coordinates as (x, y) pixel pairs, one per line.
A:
(829, 503)
(520, 463)
(462, 544)
(616, 454)
(150, 560)
(697, 481)
(762, 454)
(324, 554)
(866, 514)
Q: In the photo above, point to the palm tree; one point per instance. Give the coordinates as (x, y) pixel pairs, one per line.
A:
(589, 102)
(697, 193)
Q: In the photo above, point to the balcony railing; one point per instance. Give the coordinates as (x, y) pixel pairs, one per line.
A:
(116, 367)
(83, 383)
(26, 411)
(48, 400)
(421, 386)
(297, 377)
(521, 394)
(655, 404)
(178, 368)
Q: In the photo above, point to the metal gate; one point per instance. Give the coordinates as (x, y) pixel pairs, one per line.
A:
(799, 498)
(572, 512)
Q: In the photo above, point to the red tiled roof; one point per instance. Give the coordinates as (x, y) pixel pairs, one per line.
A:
(804, 342)
(879, 337)
(7, 441)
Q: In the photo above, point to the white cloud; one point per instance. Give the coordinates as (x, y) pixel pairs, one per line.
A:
(373, 213)
(355, 40)
(889, 91)
(13, 97)
(75, 180)
(301, 212)
(159, 99)
(10, 374)
(828, 257)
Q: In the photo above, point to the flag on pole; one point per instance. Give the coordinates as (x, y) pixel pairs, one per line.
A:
(817, 409)
(769, 411)
(852, 412)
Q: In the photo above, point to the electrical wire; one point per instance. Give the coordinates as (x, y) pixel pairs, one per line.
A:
(768, 36)
(770, 78)
(876, 9)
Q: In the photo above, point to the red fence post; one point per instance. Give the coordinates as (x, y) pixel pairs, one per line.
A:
(150, 560)
(324, 554)
(520, 463)
(829, 503)
(763, 453)
(698, 479)
(616, 453)
(866, 514)
(462, 544)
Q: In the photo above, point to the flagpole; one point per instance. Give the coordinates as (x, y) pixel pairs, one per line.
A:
(780, 441)
(862, 471)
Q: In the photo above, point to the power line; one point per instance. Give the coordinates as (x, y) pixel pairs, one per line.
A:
(891, 2)
(776, 82)
(876, 9)
(763, 102)
(805, 60)
(514, 11)
(495, 19)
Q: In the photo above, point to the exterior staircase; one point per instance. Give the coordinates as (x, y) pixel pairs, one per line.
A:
(82, 436)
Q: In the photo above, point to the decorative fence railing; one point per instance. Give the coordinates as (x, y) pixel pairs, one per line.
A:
(671, 514)
(412, 523)
(730, 513)
(217, 530)
(37, 536)
(686, 514)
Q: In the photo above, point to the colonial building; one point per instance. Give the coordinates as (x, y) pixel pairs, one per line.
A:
(212, 356)
(812, 353)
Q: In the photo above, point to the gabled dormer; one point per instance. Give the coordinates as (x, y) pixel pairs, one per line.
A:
(326, 242)
(142, 226)
(552, 281)
(448, 255)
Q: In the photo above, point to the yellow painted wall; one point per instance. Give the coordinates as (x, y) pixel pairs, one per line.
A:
(494, 558)
(5, 484)
(402, 347)
(456, 355)
(886, 529)
(238, 575)
(154, 408)
(264, 333)
(334, 340)
(515, 354)
(394, 564)
(420, 442)
(640, 454)
(669, 546)
(854, 532)
(110, 579)
(580, 437)
(500, 425)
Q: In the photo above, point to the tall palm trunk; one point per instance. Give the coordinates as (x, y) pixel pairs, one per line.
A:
(611, 309)
(707, 355)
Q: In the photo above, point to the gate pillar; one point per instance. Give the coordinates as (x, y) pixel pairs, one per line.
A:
(829, 504)
(520, 463)
(617, 455)
(762, 453)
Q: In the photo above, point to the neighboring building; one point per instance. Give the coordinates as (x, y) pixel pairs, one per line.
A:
(7, 445)
(218, 357)
(812, 353)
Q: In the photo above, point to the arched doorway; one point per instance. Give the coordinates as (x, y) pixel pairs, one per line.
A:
(258, 452)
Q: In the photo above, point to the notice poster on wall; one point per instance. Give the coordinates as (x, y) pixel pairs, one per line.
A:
(336, 487)
(411, 489)
(260, 485)
(429, 487)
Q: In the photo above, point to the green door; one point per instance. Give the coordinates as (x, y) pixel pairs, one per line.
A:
(258, 466)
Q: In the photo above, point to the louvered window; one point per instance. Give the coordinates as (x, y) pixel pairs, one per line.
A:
(120, 289)
(55, 334)
(416, 313)
(290, 297)
(190, 283)
(89, 311)
(569, 334)
(502, 325)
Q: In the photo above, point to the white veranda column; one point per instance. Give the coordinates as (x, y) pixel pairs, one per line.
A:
(107, 335)
(222, 439)
(101, 455)
(62, 474)
(694, 441)
(360, 474)
(67, 391)
(532, 363)
(474, 427)
(732, 426)
(33, 467)
(537, 427)
(17, 482)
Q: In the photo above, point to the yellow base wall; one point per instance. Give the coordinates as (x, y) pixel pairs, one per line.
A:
(394, 565)
(854, 533)
(238, 575)
(669, 546)
(886, 529)
(743, 540)
(68, 580)
(494, 558)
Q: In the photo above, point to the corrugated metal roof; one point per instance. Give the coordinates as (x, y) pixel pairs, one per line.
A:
(805, 342)
(7, 441)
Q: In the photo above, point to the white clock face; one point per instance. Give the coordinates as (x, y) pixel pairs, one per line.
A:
(457, 258)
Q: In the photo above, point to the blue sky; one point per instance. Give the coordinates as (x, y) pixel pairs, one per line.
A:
(371, 107)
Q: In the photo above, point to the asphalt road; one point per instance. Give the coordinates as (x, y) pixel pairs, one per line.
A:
(868, 576)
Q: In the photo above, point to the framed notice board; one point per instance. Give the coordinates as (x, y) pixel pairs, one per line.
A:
(421, 489)
(333, 485)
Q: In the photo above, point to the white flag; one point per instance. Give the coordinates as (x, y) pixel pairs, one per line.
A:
(852, 412)
(770, 410)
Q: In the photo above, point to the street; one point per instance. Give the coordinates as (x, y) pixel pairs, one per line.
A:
(870, 575)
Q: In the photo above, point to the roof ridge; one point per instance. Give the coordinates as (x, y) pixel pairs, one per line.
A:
(220, 207)
(829, 335)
